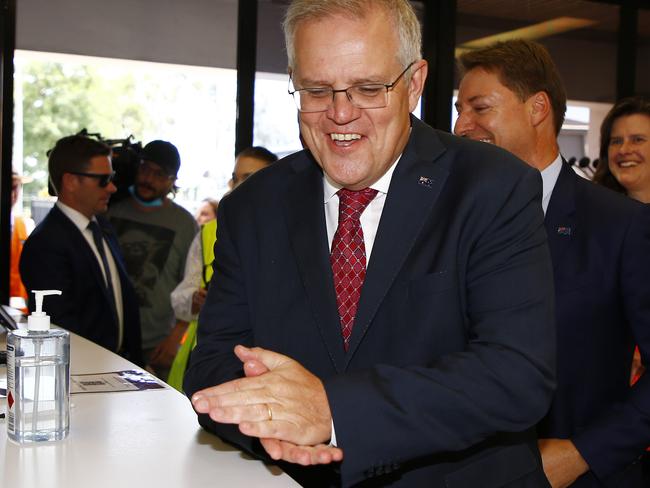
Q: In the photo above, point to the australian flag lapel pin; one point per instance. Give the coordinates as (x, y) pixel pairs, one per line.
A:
(425, 181)
(564, 231)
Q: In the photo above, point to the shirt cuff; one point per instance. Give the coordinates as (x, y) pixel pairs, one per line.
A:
(333, 436)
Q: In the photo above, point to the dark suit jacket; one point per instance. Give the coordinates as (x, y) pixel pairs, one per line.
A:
(600, 246)
(451, 358)
(57, 256)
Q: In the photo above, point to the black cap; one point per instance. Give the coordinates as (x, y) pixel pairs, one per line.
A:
(164, 154)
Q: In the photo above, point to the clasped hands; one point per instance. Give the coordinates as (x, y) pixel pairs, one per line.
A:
(278, 401)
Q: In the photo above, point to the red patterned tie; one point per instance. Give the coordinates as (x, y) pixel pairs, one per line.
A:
(348, 256)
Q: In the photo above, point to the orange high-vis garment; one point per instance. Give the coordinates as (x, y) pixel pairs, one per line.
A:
(18, 236)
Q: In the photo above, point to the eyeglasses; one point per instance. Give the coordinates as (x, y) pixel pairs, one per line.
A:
(153, 170)
(103, 179)
(367, 95)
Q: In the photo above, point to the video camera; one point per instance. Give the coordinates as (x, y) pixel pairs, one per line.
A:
(126, 158)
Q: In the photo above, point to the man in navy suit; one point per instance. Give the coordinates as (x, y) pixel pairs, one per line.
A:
(511, 95)
(74, 250)
(409, 343)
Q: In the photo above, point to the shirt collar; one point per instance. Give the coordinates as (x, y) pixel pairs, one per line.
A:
(549, 178)
(381, 185)
(79, 219)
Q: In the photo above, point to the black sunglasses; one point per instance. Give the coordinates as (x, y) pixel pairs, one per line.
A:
(104, 179)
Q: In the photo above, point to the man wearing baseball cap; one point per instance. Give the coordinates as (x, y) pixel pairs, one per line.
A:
(155, 234)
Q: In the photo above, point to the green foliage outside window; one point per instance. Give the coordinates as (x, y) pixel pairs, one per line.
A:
(60, 100)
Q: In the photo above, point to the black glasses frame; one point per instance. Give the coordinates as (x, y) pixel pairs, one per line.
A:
(387, 86)
(158, 174)
(103, 179)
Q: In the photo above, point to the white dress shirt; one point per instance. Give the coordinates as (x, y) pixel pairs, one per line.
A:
(549, 178)
(370, 216)
(81, 221)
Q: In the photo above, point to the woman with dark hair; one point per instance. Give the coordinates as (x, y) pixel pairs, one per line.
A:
(625, 167)
(625, 149)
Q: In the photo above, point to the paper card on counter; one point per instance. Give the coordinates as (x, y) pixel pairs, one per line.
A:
(127, 380)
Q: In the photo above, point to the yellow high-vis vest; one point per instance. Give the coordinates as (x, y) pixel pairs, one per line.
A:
(177, 370)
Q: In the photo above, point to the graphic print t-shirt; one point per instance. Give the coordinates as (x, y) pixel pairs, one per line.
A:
(154, 245)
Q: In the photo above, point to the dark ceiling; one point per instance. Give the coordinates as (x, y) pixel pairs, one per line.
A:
(501, 15)
(511, 14)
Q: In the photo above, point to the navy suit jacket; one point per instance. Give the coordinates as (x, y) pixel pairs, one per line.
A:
(600, 246)
(451, 360)
(57, 256)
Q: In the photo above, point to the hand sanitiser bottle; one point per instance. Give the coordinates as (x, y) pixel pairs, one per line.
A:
(38, 379)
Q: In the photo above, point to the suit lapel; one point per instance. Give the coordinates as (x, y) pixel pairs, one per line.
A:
(560, 215)
(305, 213)
(414, 188)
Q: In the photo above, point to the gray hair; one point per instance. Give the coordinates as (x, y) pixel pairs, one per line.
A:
(400, 11)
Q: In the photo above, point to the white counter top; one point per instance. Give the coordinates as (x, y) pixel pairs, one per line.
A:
(123, 439)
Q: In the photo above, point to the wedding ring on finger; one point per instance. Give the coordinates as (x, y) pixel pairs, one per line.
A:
(269, 411)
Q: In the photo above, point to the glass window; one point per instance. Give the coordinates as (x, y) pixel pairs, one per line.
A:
(276, 117)
(192, 107)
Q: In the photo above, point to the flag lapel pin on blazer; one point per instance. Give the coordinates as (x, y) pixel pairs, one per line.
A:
(425, 181)
(564, 231)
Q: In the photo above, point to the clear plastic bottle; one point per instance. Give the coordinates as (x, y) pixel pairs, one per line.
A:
(38, 379)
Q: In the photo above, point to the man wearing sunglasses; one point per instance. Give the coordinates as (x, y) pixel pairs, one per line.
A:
(155, 234)
(74, 250)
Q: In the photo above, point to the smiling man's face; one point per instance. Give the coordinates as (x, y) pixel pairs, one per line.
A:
(354, 146)
(488, 111)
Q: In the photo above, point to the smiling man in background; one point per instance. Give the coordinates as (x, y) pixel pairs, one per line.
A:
(511, 95)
